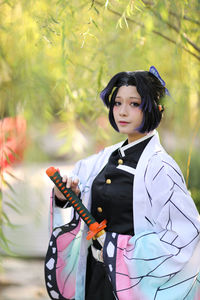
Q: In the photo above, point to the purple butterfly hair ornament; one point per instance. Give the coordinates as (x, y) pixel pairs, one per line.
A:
(154, 71)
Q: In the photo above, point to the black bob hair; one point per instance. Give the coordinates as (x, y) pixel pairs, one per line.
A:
(151, 92)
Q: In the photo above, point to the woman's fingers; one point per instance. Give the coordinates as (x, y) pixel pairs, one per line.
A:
(58, 194)
(73, 184)
(64, 179)
(77, 191)
(69, 182)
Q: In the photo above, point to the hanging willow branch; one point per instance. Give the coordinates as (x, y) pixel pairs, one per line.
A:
(176, 29)
(156, 32)
(178, 16)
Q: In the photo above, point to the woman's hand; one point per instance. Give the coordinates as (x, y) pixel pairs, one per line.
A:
(73, 184)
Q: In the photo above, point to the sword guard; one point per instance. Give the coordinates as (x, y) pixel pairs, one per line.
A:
(95, 230)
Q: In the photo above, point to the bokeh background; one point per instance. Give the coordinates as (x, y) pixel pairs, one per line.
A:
(55, 57)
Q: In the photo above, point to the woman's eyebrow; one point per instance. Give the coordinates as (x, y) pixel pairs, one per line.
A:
(131, 97)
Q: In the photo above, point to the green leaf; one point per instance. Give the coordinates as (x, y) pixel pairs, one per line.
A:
(54, 20)
(13, 152)
(12, 175)
(6, 218)
(6, 248)
(119, 23)
(3, 238)
(124, 17)
(95, 24)
(106, 4)
(13, 200)
(9, 185)
(96, 10)
(7, 158)
(16, 209)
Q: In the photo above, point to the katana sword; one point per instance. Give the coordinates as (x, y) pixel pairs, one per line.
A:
(95, 229)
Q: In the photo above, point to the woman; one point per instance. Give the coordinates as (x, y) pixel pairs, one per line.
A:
(150, 248)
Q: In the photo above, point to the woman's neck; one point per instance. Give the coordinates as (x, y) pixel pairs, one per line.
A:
(136, 136)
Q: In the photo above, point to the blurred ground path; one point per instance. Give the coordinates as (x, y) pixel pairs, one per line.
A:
(22, 279)
(32, 189)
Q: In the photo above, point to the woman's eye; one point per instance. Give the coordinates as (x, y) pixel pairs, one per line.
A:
(117, 103)
(135, 104)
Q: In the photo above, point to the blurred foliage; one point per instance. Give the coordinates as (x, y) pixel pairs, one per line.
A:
(56, 56)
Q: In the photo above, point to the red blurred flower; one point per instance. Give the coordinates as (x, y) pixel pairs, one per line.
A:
(12, 140)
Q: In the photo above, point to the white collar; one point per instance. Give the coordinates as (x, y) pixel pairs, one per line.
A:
(123, 148)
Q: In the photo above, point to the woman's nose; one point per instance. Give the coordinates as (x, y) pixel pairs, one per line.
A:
(123, 110)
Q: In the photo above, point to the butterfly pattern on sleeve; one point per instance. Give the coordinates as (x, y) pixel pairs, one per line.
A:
(156, 264)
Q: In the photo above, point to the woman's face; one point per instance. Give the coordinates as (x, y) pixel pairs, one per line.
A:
(127, 113)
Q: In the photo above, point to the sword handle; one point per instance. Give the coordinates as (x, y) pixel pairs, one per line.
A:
(80, 208)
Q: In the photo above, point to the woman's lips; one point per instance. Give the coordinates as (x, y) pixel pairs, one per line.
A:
(123, 122)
